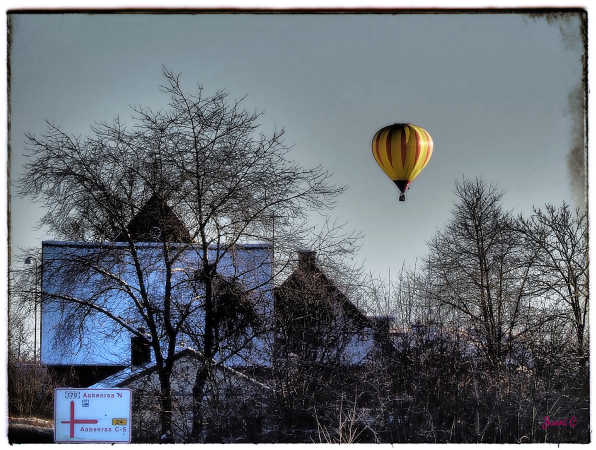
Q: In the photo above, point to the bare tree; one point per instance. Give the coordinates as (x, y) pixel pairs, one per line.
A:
(204, 157)
(477, 268)
(406, 298)
(320, 335)
(23, 298)
(28, 384)
(558, 236)
(20, 310)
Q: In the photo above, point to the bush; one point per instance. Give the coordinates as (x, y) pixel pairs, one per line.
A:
(30, 390)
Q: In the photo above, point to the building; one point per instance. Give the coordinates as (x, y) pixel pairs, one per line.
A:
(93, 329)
(316, 322)
(235, 402)
(96, 297)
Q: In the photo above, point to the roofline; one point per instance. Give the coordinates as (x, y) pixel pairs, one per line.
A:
(84, 365)
(344, 301)
(112, 244)
(152, 366)
(149, 367)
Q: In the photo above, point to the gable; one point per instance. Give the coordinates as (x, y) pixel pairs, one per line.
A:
(156, 222)
(308, 289)
(318, 322)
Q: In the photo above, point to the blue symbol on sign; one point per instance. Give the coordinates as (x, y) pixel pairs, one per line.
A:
(85, 403)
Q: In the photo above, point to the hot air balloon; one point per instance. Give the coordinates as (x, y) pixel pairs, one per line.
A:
(402, 150)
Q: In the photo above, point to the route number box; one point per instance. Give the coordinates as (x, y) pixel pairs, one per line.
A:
(92, 415)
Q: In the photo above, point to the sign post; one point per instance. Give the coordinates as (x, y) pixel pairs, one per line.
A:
(92, 415)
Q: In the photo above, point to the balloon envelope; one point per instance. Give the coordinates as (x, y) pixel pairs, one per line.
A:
(402, 150)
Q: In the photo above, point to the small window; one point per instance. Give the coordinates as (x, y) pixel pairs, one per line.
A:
(140, 352)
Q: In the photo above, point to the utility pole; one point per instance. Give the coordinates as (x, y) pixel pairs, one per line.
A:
(272, 216)
(29, 260)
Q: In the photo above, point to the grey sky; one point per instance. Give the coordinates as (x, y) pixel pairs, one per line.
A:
(492, 90)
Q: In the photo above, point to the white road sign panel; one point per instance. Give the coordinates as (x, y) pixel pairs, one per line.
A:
(92, 415)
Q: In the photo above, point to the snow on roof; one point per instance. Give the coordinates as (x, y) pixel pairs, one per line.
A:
(110, 244)
(358, 347)
(70, 270)
(128, 374)
(125, 374)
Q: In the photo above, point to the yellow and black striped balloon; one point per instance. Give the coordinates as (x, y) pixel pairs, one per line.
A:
(402, 150)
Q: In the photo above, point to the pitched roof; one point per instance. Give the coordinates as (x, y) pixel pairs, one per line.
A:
(309, 274)
(308, 281)
(156, 222)
(130, 374)
(67, 268)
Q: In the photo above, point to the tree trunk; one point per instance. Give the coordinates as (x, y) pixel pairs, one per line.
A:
(166, 406)
(197, 398)
(208, 353)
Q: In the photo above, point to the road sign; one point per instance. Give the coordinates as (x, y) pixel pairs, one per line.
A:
(92, 415)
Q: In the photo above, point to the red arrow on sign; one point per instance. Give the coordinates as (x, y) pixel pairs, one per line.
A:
(73, 421)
